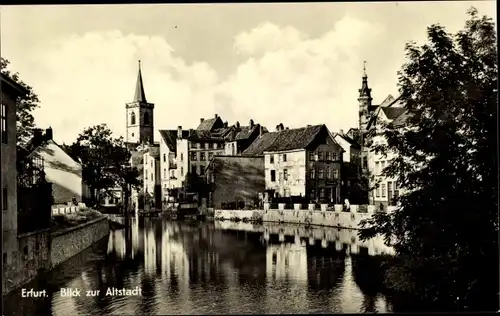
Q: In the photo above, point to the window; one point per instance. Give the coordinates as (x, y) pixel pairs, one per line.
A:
(313, 173)
(311, 156)
(383, 191)
(4, 198)
(280, 176)
(313, 194)
(377, 167)
(273, 175)
(4, 124)
(25, 250)
(271, 159)
(210, 156)
(320, 156)
(193, 168)
(322, 193)
(199, 145)
(328, 173)
(4, 258)
(202, 156)
(335, 173)
(146, 118)
(194, 156)
(152, 177)
(182, 171)
(321, 173)
(285, 174)
(132, 119)
(215, 145)
(207, 146)
(284, 158)
(164, 173)
(365, 162)
(377, 191)
(328, 156)
(164, 157)
(151, 163)
(335, 156)
(146, 176)
(182, 157)
(389, 186)
(172, 174)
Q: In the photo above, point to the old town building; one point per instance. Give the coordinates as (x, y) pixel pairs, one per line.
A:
(351, 169)
(300, 162)
(372, 118)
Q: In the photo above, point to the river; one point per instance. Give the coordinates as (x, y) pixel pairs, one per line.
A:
(214, 268)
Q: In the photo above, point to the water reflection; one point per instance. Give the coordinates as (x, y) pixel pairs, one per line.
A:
(216, 268)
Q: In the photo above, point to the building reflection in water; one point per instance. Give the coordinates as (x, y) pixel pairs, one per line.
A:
(203, 268)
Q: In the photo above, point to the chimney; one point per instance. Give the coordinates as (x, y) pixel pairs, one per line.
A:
(179, 132)
(341, 132)
(308, 125)
(237, 124)
(286, 128)
(261, 130)
(216, 115)
(281, 127)
(37, 137)
(251, 124)
(201, 120)
(278, 128)
(48, 134)
(225, 124)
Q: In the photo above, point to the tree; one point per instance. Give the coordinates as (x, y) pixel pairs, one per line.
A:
(25, 104)
(105, 162)
(445, 230)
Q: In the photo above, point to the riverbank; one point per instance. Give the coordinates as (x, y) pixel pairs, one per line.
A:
(43, 250)
(324, 216)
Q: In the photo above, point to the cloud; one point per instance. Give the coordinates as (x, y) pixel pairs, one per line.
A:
(284, 76)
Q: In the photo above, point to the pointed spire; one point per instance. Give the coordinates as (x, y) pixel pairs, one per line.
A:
(365, 92)
(139, 96)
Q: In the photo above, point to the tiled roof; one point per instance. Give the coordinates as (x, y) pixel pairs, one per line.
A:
(351, 141)
(288, 139)
(137, 158)
(209, 124)
(400, 121)
(392, 112)
(170, 137)
(218, 134)
(154, 152)
(261, 144)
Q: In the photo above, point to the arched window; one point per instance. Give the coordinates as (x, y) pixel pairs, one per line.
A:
(132, 118)
(146, 118)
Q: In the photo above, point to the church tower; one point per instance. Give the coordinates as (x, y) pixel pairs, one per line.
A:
(139, 116)
(365, 105)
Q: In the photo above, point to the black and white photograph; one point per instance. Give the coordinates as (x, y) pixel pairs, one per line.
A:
(249, 158)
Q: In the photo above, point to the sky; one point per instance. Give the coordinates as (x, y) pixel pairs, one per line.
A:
(296, 63)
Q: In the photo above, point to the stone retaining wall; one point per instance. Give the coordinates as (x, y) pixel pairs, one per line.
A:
(333, 217)
(71, 241)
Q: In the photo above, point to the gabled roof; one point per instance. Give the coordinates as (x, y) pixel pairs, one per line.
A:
(136, 158)
(154, 152)
(348, 139)
(211, 123)
(392, 112)
(395, 112)
(288, 139)
(170, 137)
